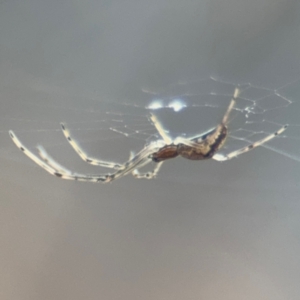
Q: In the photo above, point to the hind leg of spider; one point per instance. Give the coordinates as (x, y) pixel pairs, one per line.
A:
(195, 140)
(84, 156)
(148, 175)
(221, 157)
(236, 94)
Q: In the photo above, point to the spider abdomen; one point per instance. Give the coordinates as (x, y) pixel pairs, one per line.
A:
(203, 151)
(207, 147)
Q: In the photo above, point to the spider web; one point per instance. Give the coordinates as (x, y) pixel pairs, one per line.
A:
(114, 128)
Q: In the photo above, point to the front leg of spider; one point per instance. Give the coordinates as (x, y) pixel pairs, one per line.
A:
(54, 168)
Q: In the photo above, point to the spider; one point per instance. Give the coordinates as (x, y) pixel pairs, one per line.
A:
(203, 146)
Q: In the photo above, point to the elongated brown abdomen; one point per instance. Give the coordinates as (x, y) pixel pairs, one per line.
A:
(207, 147)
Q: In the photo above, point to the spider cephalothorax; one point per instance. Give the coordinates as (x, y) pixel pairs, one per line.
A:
(203, 146)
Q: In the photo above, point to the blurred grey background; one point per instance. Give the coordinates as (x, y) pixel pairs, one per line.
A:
(202, 230)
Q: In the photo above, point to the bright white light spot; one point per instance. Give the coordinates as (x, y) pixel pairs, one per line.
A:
(155, 104)
(177, 104)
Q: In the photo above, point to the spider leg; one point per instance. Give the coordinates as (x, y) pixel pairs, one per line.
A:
(50, 161)
(200, 137)
(54, 168)
(28, 153)
(139, 160)
(148, 175)
(236, 93)
(84, 156)
(185, 141)
(163, 133)
(195, 140)
(135, 173)
(221, 157)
